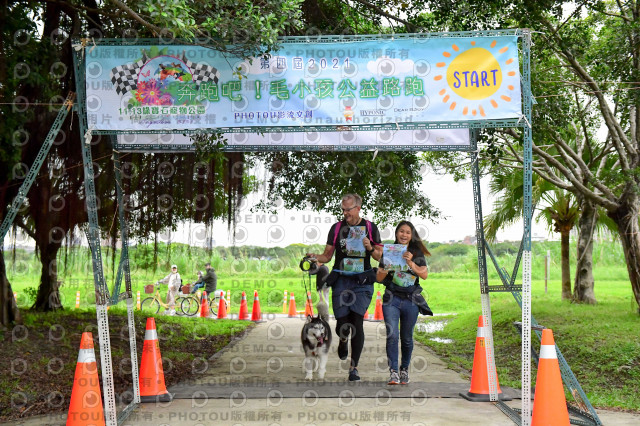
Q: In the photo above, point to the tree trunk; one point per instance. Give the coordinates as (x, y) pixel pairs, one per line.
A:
(626, 217)
(566, 271)
(584, 284)
(48, 298)
(9, 312)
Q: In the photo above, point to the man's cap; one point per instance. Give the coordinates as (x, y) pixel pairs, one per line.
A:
(174, 266)
(207, 264)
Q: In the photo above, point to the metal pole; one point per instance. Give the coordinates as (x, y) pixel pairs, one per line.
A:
(124, 260)
(526, 264)
(93, 238)
(484, 283)
(18, 201)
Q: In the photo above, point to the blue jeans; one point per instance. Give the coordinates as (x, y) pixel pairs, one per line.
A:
(404, 311)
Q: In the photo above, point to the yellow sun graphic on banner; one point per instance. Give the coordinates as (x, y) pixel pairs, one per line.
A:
(476, 79)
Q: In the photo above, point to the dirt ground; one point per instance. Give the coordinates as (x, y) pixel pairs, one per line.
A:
(38, 360)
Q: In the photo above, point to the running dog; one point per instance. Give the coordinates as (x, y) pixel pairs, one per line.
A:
(316, 340)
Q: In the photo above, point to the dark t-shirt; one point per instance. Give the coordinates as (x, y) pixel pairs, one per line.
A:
(418, 259)
(343, 234)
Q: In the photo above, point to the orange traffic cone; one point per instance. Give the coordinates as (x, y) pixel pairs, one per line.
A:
(152, 387)
(479, 391)
(86, 403)
(204, 305)
(244, 313)
(292, 307)
(222, 307)
(256, 315)
(549, 403)
(284, 303)
(377, 314)
(308, 307)
(366, 314)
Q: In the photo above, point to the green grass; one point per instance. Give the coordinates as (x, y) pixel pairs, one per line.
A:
(271, 271)
(55, 337)
(600, 343)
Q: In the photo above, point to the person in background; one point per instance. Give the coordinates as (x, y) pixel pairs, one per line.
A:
(173, 280)
(402, 300)
(209, 280)
(198, 284)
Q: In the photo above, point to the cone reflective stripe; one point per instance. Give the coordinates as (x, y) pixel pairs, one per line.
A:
(138, 301)
(377, 314)
(256, 315)
(77, 299)
(479, 390)
(152, 387)
(308, 307)
(549, 403)
(204, 305)
(292, 307)
(284, 303)
(151, 334)
(222, 307)
(85, 407)
(243, 314)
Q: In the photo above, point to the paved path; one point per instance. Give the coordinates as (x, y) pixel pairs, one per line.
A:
(259, 380)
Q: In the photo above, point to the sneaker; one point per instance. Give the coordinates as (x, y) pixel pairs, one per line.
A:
(353, 375)
(394, 379)
(343, 349)
(404, 376)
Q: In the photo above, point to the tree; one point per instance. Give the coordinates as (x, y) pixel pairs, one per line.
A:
(560, 212)
(40, 62)
(388, 183)
(600, 171)
(597, 63)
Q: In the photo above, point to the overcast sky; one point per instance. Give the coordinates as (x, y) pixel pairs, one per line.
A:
(454, 199)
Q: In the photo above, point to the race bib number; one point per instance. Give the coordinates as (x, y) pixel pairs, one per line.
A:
(404, 279)
(353, 265)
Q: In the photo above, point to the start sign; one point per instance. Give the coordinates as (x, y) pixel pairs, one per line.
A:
(400, 81)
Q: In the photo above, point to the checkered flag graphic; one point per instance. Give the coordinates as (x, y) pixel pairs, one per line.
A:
(201, 72)
(125, 77)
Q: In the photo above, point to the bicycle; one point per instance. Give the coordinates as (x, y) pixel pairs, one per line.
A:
(152, 305)
(190, 305)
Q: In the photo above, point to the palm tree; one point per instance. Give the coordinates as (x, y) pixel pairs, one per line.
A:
(561, 212)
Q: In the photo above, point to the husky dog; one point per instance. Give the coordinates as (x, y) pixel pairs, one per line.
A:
(316, 340)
